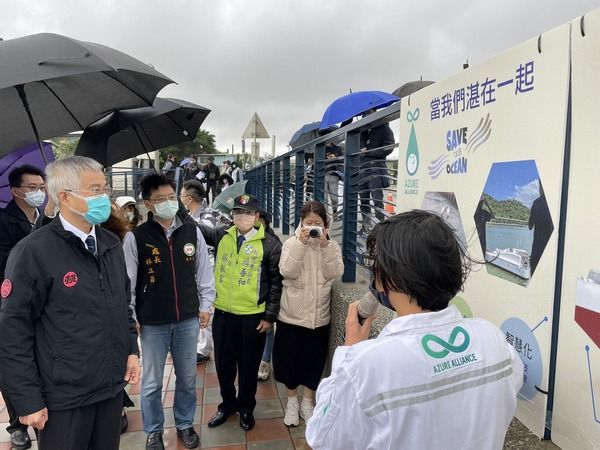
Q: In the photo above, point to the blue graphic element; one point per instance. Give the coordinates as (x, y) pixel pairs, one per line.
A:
(412, 151)
(437, 166)
(587, 354)
(522, 339)
(545, 319)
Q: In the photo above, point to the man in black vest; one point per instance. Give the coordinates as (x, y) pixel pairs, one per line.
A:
(17, 220)
(212, 178)
(172, 284)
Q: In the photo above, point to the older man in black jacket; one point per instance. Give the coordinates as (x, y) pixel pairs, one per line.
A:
(248, 285)
(69, 344)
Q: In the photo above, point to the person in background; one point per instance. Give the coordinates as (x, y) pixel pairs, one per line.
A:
(120, 226)
(191, 169)
(225, 181)
(212, 179)
(169, 168)
(334, 169)
(264, 370)
(309, 178)
(247, 258)
(192, 197)
(310, 261)
(237, 173)
(429, 365)
(69, 342)
(129, 210)
(172, 285)
(375, 145)
(28, 190)
(227, 167)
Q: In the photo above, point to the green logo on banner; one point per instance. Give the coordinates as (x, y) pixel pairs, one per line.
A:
(412, 151)
(448, 346)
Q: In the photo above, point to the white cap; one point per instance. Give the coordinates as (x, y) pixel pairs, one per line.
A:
(125, 200)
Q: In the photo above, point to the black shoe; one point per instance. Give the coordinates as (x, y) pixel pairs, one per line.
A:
(124, 423)
(155, 441)
(200, 358)
(246, 421)
(189, 437)
(20, 440)
(219, 418)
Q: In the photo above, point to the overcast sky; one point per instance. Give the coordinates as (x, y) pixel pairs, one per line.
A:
(287, 60)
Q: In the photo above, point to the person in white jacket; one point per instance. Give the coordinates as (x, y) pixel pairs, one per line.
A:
(309, 263)
(431, 379)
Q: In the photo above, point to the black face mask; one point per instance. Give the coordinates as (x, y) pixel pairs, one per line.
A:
(381, 297)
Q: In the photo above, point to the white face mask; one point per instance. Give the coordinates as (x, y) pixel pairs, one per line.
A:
(130, 215)
(243, 221)
(35, 198)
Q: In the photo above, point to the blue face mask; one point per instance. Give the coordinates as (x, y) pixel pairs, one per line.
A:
(98, 208)
(381, 297)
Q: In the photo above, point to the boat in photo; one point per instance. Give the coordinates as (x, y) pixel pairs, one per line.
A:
(513, 260)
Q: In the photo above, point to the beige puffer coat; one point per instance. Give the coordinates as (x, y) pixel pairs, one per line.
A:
(308, 272)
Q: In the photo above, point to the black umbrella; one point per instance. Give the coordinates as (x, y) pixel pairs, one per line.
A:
(411, 87)
(51, 85)
(309, 132)
(128, 133)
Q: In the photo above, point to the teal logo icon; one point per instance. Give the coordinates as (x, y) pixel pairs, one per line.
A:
(412, 151)
(447, 346)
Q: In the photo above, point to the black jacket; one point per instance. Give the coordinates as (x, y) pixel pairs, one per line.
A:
(334, 166)
(375, 138)
(270, 278)
(66, 327)
(14, 226)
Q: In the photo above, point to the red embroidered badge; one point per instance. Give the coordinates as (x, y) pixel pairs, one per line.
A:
(70, 279)
(6, 288)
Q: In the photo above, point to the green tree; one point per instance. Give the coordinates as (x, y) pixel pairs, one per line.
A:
(64, 147)
(204, 143)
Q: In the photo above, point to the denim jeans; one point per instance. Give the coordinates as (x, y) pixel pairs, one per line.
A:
(180, 338)
(268, 351)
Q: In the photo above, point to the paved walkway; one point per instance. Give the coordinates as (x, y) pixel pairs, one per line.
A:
(269, 433)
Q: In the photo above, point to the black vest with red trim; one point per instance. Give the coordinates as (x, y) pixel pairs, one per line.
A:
(166, 289)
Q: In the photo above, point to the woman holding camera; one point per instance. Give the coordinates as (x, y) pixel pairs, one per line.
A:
(309, 263)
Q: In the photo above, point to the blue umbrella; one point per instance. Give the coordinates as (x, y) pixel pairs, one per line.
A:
(184, 162)
(353, 104)
(308, 132)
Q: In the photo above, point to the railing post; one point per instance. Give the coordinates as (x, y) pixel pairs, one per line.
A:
(276, 192)
(270, 189)
(351, 168)
(285, 224)
(264, 185)
(319, 173)
(299, 199)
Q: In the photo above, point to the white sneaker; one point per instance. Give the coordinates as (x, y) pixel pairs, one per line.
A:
(291, 418)
(264, 371)
(306, 410)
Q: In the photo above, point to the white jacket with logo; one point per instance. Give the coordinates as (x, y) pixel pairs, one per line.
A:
(308, 271)
(428, 381)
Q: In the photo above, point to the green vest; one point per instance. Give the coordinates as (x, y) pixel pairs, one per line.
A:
(237, 275)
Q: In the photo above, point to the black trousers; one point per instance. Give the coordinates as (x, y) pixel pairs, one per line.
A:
(14, 424)
(238, 349)
(92, 427)
(211, 187)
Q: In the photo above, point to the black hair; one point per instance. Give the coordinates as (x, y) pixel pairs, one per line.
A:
(195, 189)
(315, 207)
(417, 253)
(152, 182)
(15, 177)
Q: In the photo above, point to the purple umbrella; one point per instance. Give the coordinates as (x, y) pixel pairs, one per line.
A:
(26, 155)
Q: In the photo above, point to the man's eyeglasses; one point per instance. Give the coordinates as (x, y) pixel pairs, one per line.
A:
(33, 187)
(164, 198)
(95, 191)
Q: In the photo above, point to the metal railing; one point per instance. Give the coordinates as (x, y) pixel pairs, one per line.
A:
(367, 185)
